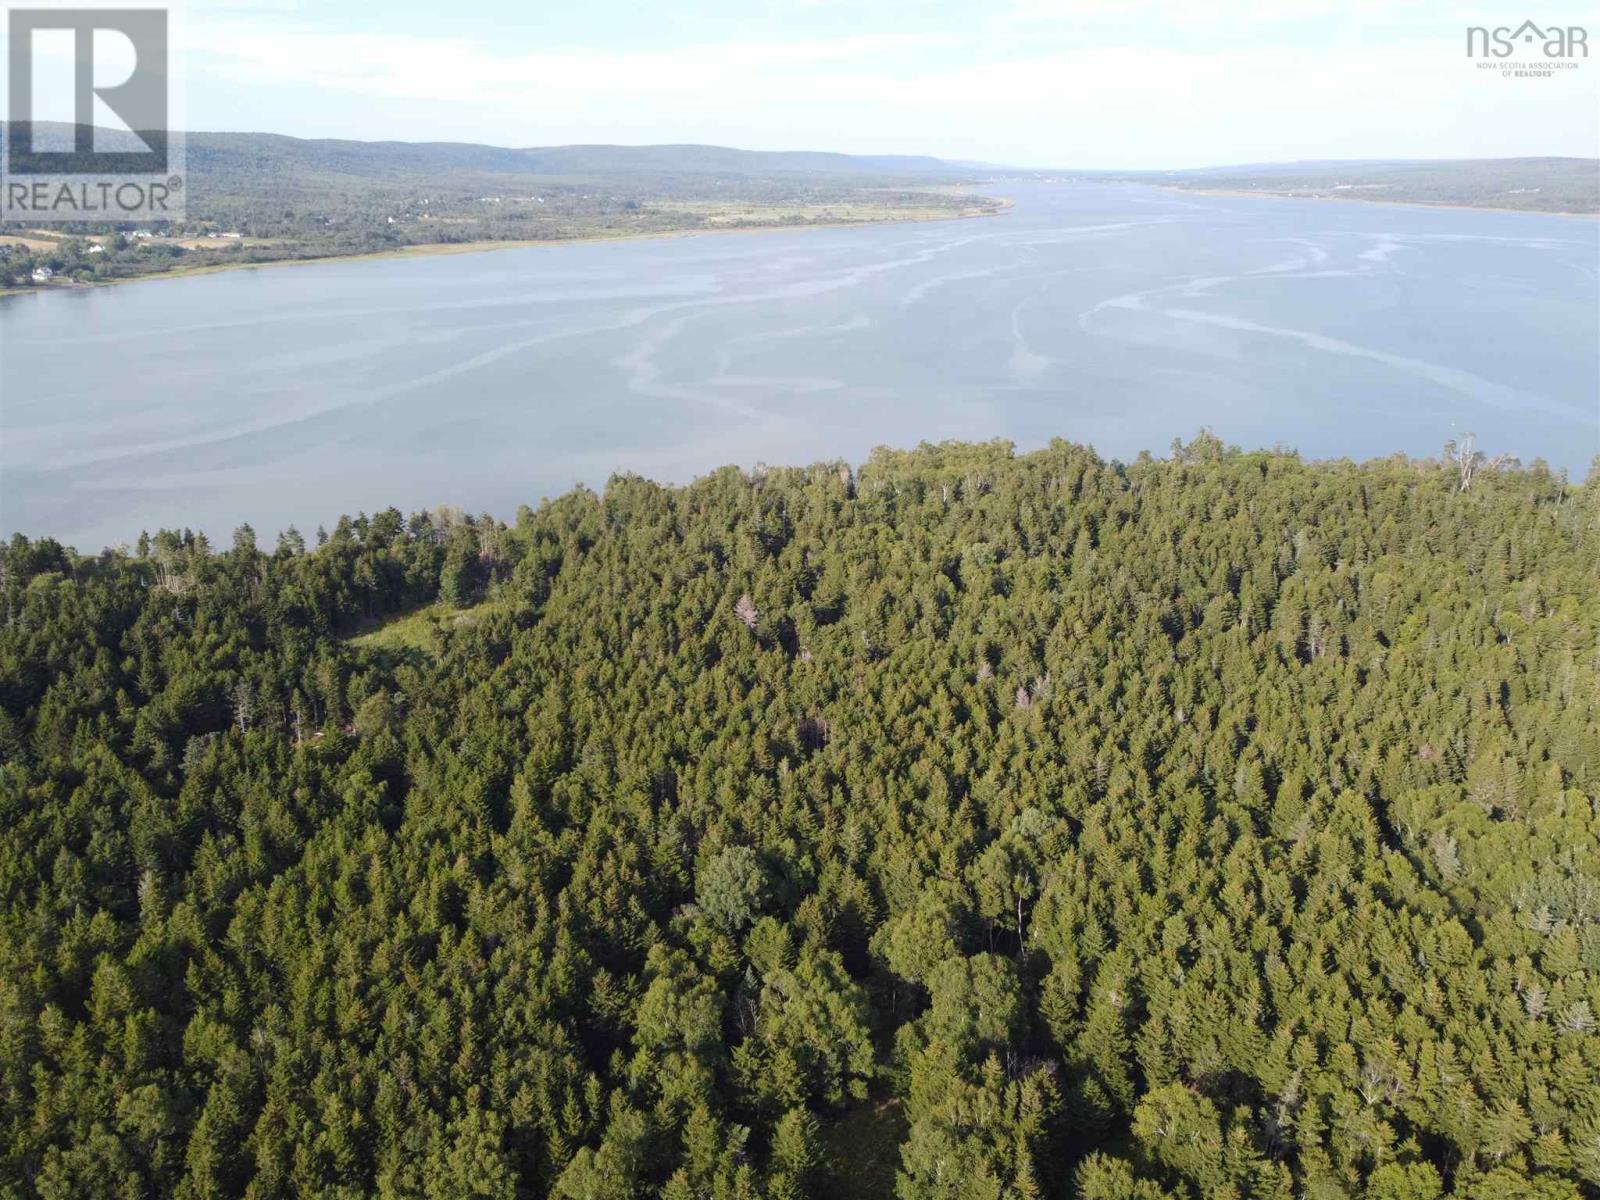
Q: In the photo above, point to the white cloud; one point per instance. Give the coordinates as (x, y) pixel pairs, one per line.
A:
(875, 72)
(1122, 90)
(466, 70)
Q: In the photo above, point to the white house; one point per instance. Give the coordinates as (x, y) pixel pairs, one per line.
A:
(43, 274)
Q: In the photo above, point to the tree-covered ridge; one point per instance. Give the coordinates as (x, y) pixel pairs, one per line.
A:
(1223, 826)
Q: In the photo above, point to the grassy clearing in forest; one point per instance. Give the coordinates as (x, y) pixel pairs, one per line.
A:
(422, 629)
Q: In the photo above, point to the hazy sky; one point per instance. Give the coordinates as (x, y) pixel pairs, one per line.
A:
(1091, 83)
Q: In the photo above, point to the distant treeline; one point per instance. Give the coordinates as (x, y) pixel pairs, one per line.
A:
(1570, 185)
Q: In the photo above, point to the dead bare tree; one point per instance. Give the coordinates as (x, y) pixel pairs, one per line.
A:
(1468, 461)
(170, 575)
(244, 705)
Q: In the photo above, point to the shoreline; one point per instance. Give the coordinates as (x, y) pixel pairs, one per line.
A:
(1266, 195)
(442, 249)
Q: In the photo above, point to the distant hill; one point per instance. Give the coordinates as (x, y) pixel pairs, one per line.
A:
(259, 197)
(1569, 185)
(251, 153)
(208, 150)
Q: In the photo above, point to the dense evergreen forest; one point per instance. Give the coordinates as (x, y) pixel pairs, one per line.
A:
(968, 826)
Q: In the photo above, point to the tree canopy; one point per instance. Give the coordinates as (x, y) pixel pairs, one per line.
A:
(1219, 826)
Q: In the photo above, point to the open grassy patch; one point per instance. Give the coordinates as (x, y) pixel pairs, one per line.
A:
(420, 631)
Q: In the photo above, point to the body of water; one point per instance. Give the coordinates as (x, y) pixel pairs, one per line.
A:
(1120, 316)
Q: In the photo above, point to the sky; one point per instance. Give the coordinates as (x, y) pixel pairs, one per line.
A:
(1117, 84)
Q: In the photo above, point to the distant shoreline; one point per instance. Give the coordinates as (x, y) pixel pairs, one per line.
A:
(1271, 195)
(442, 249)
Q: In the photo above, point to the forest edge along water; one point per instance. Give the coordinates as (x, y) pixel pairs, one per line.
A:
(1118, 315)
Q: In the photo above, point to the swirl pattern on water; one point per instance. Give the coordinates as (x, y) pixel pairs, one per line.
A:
(1115, 315)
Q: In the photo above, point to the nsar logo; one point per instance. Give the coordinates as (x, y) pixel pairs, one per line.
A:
(1553, 41)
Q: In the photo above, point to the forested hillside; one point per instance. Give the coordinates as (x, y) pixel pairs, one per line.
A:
(968, 826)
(257, 198)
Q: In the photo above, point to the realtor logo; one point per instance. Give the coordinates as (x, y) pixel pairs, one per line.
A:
(1552, 41)
(116, 159)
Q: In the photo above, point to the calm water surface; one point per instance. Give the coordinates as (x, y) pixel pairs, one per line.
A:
(1115, 315)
